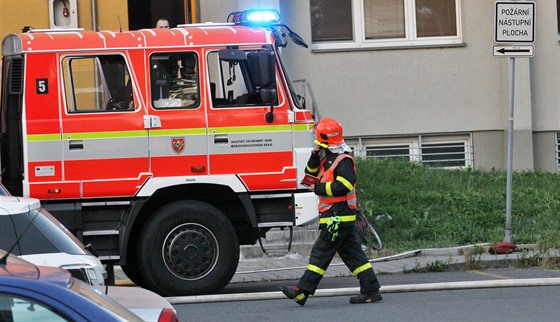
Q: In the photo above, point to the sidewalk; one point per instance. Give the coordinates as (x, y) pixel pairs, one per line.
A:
(292, 265)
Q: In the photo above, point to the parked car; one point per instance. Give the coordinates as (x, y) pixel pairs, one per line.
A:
(144, 304)
(3, 191)
(150, 306)
(32, 233)
(40, 293)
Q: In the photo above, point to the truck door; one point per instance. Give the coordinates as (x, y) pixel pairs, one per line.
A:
(178, 147)
(104, 137)
(249, 130)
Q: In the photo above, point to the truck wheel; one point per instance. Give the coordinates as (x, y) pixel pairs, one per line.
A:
(187, 248)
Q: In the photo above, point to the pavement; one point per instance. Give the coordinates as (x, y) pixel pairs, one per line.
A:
(292, 265)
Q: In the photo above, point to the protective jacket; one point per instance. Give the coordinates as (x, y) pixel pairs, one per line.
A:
(336, 188)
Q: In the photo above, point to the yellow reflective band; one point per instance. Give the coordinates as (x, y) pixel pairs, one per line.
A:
(362, 268)
(342, 219)
(299, 297)
(316, 269)
(303, 127)
(312, 170)
(345, 182)
(328, 188)
(104, 135)
(43, 137)
(162, 132)
(177, 132)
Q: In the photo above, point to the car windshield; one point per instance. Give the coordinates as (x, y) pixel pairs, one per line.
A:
(3, 191)
(44, 235)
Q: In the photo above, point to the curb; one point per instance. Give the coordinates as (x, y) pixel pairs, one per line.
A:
(384, 289)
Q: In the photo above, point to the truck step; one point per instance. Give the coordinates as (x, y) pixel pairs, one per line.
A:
(276, 243)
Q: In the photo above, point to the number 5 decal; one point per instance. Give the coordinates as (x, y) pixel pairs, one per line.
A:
(42, 85)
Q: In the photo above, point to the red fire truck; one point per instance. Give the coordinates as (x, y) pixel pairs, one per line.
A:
(165, 149)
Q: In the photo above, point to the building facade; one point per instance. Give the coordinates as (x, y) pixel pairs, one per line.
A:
(410, 79)
(417, 79)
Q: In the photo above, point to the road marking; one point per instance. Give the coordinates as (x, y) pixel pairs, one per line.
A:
(490, 275)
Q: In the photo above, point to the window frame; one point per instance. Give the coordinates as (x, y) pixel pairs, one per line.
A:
(417, 145)
(216, 72)
(176, 53)
(69, 87)
(411, 39)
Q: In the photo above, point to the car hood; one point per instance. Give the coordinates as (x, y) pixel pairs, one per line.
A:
(63, 259)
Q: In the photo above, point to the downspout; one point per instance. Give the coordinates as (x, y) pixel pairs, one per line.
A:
(94, 15)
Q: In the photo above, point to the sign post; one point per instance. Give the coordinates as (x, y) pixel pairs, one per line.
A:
(514, 26)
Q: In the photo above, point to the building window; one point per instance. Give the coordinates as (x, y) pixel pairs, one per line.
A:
(347, 24)
(395, 152)
(452, 154)
(453, 151)
(558, 151)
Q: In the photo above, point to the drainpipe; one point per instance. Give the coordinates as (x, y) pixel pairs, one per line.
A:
(94, 15)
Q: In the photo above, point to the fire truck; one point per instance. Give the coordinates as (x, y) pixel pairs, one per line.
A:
(163, 149)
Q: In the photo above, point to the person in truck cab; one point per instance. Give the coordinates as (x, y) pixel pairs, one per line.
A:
(333, 164)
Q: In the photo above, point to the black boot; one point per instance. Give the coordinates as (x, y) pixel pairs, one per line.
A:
(295, 293)
(366, 298)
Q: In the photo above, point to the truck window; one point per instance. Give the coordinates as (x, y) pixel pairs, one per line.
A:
(174, 80)
(238, 83)
(97, 84)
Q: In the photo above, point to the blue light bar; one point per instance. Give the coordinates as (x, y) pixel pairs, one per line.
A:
(255, 17)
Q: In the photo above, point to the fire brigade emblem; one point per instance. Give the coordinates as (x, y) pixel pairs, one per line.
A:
(178, 145)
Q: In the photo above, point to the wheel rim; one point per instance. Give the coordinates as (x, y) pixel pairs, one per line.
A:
(190, 251)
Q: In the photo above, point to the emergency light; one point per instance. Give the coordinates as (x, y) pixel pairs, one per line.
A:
(255, 17)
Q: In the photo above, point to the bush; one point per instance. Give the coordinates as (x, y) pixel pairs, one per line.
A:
(415, 206)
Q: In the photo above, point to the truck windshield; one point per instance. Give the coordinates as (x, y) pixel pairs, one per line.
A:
(297, 98)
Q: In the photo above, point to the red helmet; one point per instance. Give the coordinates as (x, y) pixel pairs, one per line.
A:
(328, 132)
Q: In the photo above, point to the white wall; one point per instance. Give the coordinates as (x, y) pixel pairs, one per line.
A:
(462, 89)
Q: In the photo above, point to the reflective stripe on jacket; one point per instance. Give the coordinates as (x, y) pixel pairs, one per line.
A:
(327, 176)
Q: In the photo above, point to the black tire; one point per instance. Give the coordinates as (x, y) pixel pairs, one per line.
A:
(188, 248)
(131, 271)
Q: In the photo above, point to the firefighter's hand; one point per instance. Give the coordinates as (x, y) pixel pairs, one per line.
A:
(316, 150)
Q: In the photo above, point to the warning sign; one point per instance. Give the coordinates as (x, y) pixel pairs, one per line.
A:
(515, 22)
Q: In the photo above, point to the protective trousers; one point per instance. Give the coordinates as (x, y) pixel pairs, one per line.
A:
(351, 253)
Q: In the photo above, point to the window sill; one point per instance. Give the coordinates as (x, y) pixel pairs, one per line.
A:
(321, 49)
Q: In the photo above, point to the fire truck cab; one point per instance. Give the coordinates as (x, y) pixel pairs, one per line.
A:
(165, 149)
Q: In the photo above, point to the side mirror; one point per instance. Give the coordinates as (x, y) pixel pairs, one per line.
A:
(261, 64)
(269, 95)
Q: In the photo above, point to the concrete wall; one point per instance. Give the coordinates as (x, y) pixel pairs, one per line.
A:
(14, 15)
(440, 90)
(218, 10)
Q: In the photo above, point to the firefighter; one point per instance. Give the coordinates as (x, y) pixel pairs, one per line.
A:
(332, 163)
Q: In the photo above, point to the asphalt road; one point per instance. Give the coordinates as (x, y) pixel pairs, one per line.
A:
(494, 304)
(399, 279)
